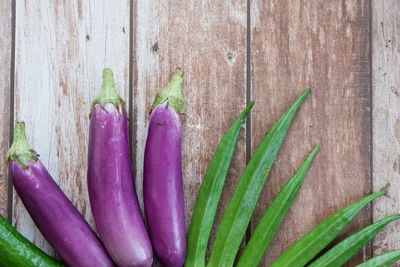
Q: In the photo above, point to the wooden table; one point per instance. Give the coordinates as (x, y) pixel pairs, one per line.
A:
(348, 52)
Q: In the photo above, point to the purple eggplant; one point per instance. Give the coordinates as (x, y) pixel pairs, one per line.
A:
(53, 213)
(162, 181)
(113, 200)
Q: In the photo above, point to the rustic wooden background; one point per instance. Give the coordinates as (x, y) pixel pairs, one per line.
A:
(348, 52)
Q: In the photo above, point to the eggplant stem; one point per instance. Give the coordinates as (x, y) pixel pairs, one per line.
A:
(108, 94)
(172, 93)
(20, 151)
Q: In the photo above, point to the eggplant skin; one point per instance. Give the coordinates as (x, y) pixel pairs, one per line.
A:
(55, 216)
(113, 200)
(162, 186)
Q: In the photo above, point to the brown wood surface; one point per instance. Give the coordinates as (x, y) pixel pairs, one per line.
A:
(61, 50)
(211, 51)
(386, 118)
(5, 71)
(62, 47)
(323, 45)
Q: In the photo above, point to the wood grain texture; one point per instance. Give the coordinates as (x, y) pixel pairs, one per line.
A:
(5, 108)
(210, 48)
(386, 118)
(61, 50)
(323, 45)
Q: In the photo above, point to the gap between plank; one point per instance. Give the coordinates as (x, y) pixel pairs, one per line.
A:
(130, 82)
(11, 125)
(248, 97)
(371, 143)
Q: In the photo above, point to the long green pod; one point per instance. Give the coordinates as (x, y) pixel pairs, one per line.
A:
(344, 250)
(383, 260)
(238, 213)
(273, 217)
(210, 193)
(17, 251)
(305, 249)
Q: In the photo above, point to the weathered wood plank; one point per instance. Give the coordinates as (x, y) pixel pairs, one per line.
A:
(61, 49)
(211, 50)
(323, 45)
(386, 117)
(5, 71)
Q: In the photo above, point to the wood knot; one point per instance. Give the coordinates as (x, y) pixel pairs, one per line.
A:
(155, 47)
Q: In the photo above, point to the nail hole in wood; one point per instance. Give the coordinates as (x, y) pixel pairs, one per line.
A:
(155, 47)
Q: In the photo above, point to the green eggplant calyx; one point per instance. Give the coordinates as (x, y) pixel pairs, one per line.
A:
(172, 93)
(108, 94)
(20, 151)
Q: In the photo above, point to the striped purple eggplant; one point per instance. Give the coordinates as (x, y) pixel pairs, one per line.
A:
(53, 213)
(162, 181)
(111, 188)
